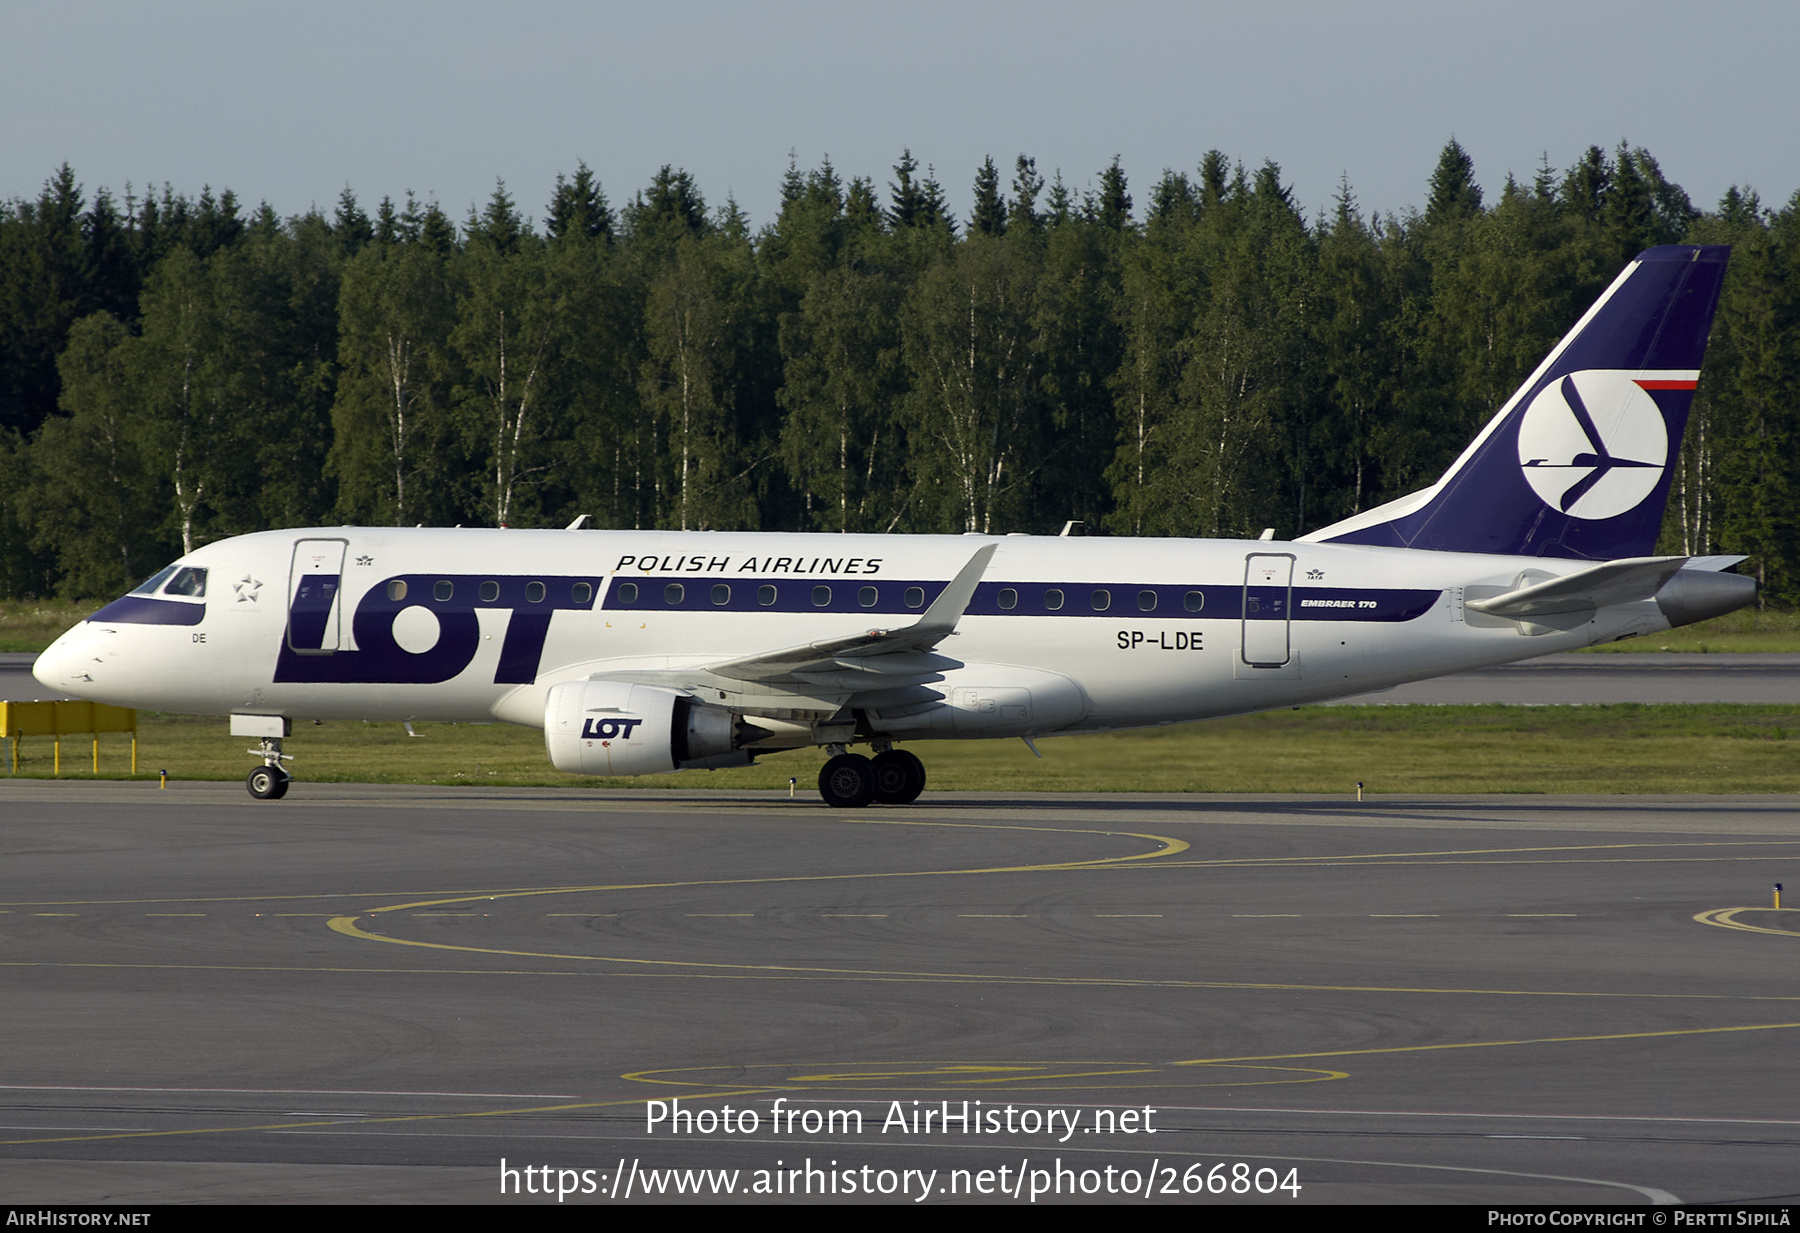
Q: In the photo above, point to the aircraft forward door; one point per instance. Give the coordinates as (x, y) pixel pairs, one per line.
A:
(1268, 609)
(315, 603)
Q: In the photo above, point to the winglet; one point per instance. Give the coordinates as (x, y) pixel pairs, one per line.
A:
(947, 609)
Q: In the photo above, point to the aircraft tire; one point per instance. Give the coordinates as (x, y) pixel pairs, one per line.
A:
(267, 783)
(847, 782)
(899, 777)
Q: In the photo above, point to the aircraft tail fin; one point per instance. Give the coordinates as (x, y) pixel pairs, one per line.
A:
(1577, 463)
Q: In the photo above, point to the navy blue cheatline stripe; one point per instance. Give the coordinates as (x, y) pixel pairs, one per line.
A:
(137, 610)
(1123, 600)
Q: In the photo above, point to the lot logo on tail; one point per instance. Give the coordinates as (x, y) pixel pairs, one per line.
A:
(1594, 444)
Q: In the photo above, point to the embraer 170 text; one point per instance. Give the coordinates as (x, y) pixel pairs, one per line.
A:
(646, 651)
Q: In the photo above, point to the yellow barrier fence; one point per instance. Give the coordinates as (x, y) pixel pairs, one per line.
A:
(60, 719)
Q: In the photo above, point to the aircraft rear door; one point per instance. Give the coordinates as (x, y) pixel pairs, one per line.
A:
(315, 606)
(1268, 608)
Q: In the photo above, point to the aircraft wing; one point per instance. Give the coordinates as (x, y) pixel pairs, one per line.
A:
(876, 659)
(1614, 582)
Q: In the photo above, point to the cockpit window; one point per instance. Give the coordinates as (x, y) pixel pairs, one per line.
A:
(148, 586)
(187, 581)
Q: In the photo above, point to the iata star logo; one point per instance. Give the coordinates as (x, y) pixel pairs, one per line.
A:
(365, 560)
(246, 589)
(1315, 574)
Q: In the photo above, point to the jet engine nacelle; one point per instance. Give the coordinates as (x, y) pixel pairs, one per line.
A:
(619, 728)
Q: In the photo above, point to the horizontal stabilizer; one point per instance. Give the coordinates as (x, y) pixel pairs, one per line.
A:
(1616, 582)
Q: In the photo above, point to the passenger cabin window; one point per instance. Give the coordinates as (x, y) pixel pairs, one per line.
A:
(821, 596)
(765, 595)
(1146, 601)
(581, 592)
(442, 590)
(1009, 598)
(915, 597)
(672, 594)
(189, 581)
(534, 592)
(867, 597)
(1194, 601)
(721, 594)
(627, 592)
(396, 590)
(1053, 600)
(490, 591)
(1101, 600)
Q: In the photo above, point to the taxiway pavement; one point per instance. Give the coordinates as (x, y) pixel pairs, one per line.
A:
(382, 993)
(1585, 679)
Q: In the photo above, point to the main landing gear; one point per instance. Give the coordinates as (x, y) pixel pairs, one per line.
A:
(891, 777)
(268, 782)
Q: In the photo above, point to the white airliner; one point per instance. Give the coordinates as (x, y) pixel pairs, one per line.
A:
(640, 652)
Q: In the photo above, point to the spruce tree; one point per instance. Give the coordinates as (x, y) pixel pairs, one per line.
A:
(351, 225)
(906, 195)
(1112, 205)
(578, 208)
(989, 217)
(1026, 186)
(1454, 194)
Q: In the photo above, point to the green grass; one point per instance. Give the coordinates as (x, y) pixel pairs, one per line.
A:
(1603, 749)
(32, 624)
(1745, 630)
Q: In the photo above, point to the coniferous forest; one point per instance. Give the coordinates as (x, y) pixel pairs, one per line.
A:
(1195, 356)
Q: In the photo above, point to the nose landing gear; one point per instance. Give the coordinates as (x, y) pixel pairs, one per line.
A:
(268, 782)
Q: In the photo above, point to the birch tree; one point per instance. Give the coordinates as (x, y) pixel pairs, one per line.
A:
(973, 411)
(395, 322)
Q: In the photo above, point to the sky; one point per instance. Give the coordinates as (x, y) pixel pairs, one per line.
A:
(290, 104)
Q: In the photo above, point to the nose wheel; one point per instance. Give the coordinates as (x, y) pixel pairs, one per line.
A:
(267, 783)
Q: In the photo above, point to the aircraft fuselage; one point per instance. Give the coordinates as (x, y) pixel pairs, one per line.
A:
(1062, 635)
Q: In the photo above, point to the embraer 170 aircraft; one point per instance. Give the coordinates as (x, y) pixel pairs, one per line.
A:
(639, 652)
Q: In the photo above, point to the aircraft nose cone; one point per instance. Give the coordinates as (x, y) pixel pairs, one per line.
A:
(47, 668)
